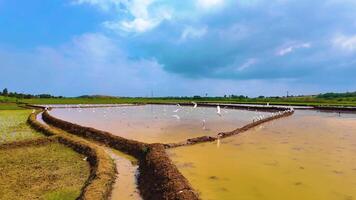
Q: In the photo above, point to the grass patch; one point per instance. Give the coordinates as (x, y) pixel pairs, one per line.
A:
(13, 126)
(302, 101)
(51, 171)
(10, 106)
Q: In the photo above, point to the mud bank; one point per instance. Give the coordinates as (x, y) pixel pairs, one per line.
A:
(130, 147)
(27, 143)
(158, 179)
(102, 173)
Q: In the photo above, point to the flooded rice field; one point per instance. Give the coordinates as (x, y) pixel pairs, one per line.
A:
(309, 155)
(158, 123)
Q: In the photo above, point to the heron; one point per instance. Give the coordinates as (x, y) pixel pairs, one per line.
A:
(195, 104)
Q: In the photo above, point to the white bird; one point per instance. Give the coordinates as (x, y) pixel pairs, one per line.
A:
(176, 110)
(85, 158)
(195, 104)
(218, 110)
(204, 127)
(176, 116)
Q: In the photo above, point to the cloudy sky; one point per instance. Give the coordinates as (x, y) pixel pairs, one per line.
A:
(185, 47)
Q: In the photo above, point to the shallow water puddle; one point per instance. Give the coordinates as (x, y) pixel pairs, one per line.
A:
(309, 156)
(158, 123)
(125, 186)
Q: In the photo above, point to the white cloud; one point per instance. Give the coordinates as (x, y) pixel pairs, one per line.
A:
(208, 4)
(139, 15)
(291, 48)
(247, 64)
(105, 5)
(192, 32)
(344, 42)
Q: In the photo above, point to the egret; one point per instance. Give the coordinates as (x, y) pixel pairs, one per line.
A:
(218, 110)
(176, 110)
(195, 104)
(204, 127)
(176, 116)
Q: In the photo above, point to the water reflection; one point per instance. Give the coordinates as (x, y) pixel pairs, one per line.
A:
(158, 123)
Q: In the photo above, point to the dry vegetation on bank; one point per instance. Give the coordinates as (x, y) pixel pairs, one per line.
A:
(51, 171)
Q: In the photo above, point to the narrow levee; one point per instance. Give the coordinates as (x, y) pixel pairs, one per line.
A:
(125, 185)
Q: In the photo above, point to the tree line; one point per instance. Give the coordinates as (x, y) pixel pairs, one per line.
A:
(7, 93)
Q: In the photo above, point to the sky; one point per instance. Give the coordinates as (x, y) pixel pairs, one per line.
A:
(178, 48)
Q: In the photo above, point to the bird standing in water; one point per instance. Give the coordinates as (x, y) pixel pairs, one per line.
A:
(218, 111)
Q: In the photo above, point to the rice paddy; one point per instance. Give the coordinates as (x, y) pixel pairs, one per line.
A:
(158, 123)
(309, 156)
(13, 126)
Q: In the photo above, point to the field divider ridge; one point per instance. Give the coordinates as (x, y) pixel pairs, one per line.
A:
(158, 177)
(102, 168)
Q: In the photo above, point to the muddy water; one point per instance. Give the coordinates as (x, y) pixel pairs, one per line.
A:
(308, 156)
(158, 123)
(125, 186)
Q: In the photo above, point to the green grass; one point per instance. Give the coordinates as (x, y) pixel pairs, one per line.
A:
(47, 172)
(305, 101)
(13, 126)
(10, 106)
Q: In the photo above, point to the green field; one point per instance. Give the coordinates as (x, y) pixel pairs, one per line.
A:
(51, 172)
(273, 101)
(13, 126)
(328, 99)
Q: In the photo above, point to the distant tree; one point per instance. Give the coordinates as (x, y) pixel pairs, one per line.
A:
(196, 97)
(5, 92)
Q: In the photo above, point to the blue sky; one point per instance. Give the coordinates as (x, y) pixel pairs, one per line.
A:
(185, 47)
